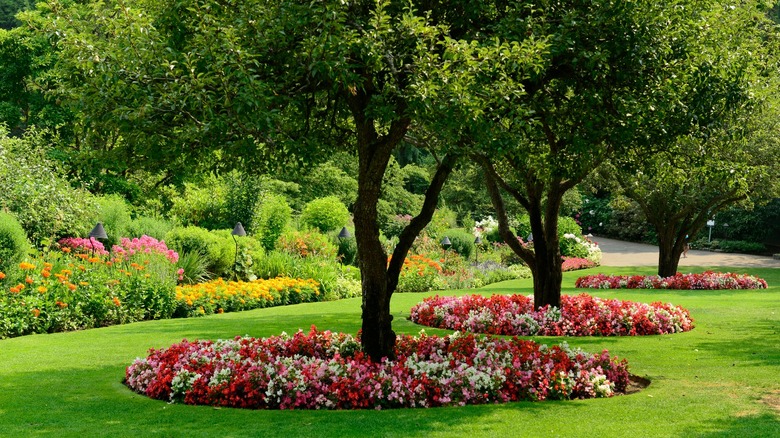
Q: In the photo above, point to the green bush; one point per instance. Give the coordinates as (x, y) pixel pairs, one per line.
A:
(307, 244)
(203, 204)
(443, 219)
(271, 219)
(462, 241)
(249, 250)
(114, 213)
(347, 249)
(328, 180)
(37, 193)
(14, 246)
(150, 226)
(325, 214)
(219, 252)
(567, 225)
(741, 246)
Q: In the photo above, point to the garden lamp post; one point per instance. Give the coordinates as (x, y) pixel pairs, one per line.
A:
(97, 233)
(477, 242)
(445, 243)
(238, 230)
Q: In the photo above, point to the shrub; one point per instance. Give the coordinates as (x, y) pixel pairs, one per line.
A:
(307, 244)
(219, 252)
(271, 219)
(741, 246)
(149, 226)
(325, 214)
(443, 219)
(113, 212)
(462, 242)
(249, 250)
(202, 204)
(347, 250)
(36, 192)
(13, 242)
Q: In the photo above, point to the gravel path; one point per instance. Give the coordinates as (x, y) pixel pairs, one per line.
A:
(619, 253)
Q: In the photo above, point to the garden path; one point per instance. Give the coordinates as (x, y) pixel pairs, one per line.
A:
(620, 253)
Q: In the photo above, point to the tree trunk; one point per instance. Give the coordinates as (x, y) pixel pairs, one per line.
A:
(547, 275)
(670, 247)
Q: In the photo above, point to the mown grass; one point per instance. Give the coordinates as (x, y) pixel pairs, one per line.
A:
(713, 381)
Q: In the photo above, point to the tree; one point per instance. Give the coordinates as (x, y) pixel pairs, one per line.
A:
(733, 159)
(262, 82)
(617, 77)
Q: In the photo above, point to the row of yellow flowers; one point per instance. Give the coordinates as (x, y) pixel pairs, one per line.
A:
(220, 296)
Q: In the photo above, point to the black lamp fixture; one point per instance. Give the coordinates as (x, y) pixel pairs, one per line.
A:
(477, 242)
(445, 243)
(238, 230)
(344, 234)
(97, 233)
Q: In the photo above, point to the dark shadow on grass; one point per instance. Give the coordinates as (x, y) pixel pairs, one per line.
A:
(759, 348)
(764, 425)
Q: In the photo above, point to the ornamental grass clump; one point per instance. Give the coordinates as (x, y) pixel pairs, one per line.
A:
(220, 296)
(325, 370)
(707, 280)
(581, 315)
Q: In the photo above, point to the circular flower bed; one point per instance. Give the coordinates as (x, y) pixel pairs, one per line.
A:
(706, 280)
(329, 370)
(581, 315)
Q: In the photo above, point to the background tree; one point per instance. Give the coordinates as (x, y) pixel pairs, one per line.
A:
(733, 159)
(617, 77)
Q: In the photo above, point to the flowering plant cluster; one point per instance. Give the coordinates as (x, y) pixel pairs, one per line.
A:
(328, 370)
(581, 247)
(581, 315)
(220, 296)
(63, 291)
(420, 274)
(82, 245)
(575, 264)
(707, 280)
(144, 244)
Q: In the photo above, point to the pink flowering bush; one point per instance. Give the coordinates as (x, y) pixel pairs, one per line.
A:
(581, 315)
(328, 370)
(144, 245)
(706, 280)
(83, 245)
(576, 263)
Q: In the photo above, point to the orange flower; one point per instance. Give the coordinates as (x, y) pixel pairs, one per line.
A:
(15, 290)
(36, 312)
(2, 275)
(117, 302)
(66, 250)
(24, 266)
(28, 280)
(46, 274)
(71, 286)
(61, 305)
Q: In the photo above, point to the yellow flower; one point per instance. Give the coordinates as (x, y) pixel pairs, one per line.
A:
(25, 266)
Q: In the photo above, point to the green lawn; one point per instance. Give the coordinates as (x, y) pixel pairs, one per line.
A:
(708, 382)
